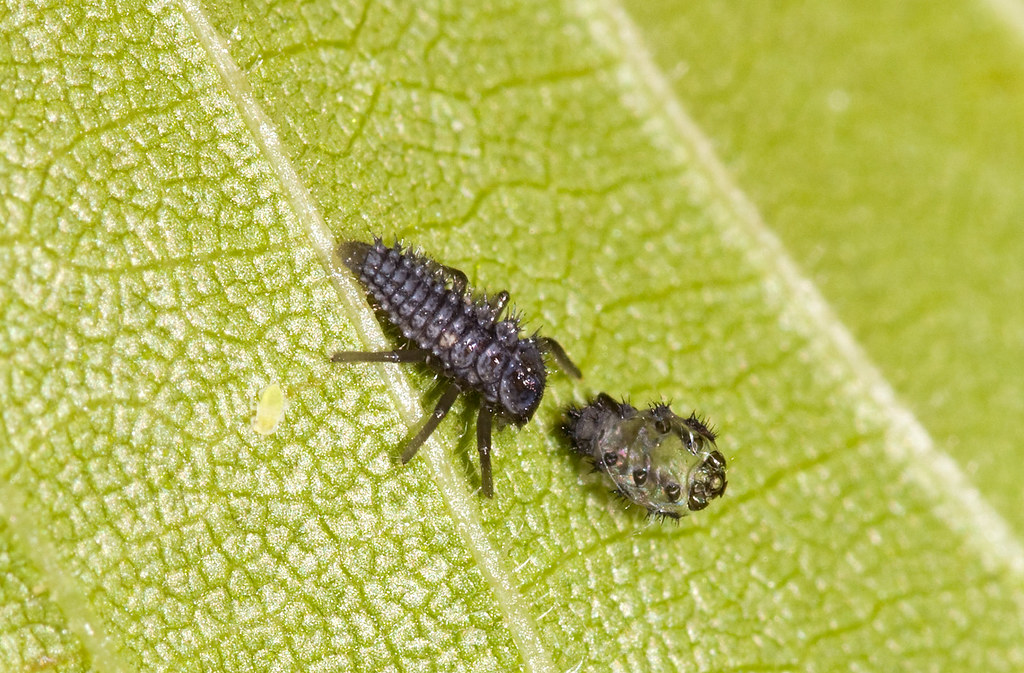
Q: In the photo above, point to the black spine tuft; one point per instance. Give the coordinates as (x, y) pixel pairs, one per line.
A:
(702, 426)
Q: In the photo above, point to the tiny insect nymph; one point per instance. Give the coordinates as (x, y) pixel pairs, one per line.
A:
(459, 334)
(663, 462)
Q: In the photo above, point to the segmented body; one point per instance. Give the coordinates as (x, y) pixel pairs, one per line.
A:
(465, 339)
(460, 335)
(666, 463)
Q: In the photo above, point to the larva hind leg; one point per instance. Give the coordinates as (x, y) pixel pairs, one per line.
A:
(440, 411)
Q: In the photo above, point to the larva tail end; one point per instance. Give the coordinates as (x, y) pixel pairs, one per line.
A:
(353, 254)
(581, 426)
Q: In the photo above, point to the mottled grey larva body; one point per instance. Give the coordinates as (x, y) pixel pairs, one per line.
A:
(458, 334)
(466, 341)
(666, 463)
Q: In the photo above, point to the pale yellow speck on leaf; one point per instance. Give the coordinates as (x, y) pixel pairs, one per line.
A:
(269, 410)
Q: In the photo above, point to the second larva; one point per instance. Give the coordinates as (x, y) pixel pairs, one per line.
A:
(663, 462)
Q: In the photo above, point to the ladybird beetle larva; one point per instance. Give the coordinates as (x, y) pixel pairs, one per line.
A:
(663, 462)
(457, 333)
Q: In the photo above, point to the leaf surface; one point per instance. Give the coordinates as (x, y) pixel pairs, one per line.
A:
(884, 147)
(174, 178)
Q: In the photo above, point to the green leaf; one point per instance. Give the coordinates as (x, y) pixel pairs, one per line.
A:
(173, 180)
(884, 147)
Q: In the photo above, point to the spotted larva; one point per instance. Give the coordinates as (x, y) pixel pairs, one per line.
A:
(663, 462)
(457, 333)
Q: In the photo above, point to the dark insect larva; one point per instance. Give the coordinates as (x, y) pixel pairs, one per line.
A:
(666, 463)
(458, 334)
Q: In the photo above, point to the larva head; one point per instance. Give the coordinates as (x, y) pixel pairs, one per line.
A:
(690, 469)
(522, 383)
(707, 481)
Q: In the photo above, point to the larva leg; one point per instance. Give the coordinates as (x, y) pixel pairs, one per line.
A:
(483, 445)
(560, 356)
(397, 356)
(440, 411)
(458, 277)
(498, 302)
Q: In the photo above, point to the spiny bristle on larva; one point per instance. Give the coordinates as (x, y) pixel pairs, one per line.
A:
(701, 426)
(358, 255)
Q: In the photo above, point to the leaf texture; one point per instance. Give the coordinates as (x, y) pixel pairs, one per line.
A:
(174, 177)
(886, 133)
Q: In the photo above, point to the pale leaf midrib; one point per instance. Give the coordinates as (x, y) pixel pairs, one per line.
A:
(517, 613)
(1012, 14)
(61, 587)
